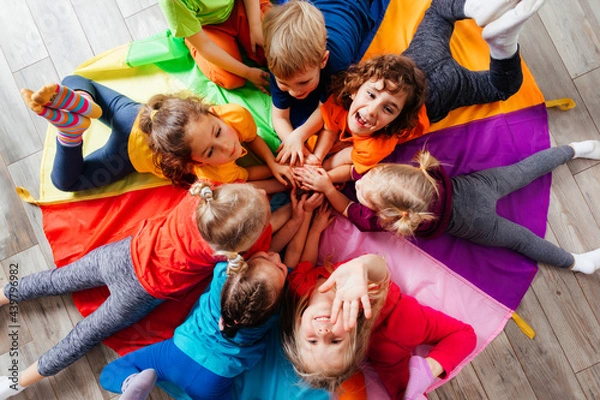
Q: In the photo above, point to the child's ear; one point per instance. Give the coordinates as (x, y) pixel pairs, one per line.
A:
(325, 59)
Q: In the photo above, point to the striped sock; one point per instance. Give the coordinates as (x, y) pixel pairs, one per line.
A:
(62, 98)
(70, 125)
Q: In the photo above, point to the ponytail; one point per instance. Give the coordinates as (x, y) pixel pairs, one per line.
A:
(248, 299)
(404, 193)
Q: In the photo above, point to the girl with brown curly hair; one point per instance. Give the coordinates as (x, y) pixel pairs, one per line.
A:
(390, 99)
(177, 137)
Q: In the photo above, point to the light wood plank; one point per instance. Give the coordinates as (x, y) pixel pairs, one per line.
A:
(543, 360)
(569, 313)
(553, 80)
(16, 234)
(588, 84)
(19, 37)
(590, 381)
(62, 33)
(500, 373)
(130, 7)
(147, 23)
(26, 173)
(573, 34)
(18, 137)
(34, 77)
(465, 385)
(106, 32)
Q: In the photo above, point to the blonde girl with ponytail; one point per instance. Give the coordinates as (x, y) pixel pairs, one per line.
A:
(164, 259)
(420, 200)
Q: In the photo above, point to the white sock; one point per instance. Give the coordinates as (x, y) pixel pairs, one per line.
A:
(588, 263)
(138, 386)
(502, 34)
(9, 388)
(485, 11)
(587, 149)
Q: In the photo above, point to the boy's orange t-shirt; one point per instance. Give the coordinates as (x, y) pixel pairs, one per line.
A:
(170, 256)
(368, 151)
(234, 115)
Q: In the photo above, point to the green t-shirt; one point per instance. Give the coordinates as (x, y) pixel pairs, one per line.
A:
(186, 17)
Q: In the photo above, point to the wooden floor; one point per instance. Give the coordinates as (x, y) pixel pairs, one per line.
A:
(42, 41)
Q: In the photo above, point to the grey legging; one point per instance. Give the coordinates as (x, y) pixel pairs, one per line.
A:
(474, 200)
(449, 85)
(128, 301)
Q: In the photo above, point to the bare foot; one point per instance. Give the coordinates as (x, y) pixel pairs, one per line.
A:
(32, 104)
(46, 94)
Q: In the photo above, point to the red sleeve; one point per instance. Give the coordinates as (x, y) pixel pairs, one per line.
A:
(452, 340)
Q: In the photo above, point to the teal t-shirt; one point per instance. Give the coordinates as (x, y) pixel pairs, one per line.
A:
(186, 17)
(200, 338)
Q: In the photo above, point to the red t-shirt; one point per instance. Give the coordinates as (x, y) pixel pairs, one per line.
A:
(170, 256)
(402, 325)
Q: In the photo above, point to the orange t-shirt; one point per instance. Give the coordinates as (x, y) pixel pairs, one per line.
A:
(368, 151)
(170, 256)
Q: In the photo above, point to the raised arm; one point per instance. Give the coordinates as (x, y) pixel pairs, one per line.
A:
(296, 247)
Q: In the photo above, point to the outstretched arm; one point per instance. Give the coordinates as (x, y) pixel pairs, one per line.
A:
(282, 173)
(321, 220)
(292, 146)
(294, 251)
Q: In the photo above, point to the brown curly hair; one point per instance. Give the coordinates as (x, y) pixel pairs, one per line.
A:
(399, 74)
(164, 119)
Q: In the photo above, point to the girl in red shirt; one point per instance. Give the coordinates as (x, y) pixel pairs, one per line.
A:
(326, 337)
(167, 256)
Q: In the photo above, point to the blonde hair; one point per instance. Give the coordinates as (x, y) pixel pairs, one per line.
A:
(401, 193)
(164, 120)
(330, 377)
(230, 217)
(248, 297)
(295, 38)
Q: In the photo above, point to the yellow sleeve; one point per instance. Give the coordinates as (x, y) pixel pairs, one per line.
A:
(139, 152)
(239, 118)
(226, 173)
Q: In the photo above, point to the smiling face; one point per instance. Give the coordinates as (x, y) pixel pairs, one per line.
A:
(373, 107)
(321, 343)
(212, 141)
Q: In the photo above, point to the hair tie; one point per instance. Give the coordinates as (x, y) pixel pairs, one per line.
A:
(404, 214)
(153, 114)
(206, 193)
(236, 265)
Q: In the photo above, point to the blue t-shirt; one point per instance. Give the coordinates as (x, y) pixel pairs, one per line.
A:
(348, 24)
(200, 338)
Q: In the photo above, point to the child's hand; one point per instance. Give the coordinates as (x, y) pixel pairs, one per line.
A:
(259, 78)
(298, 205)
(292, 148)
(323, 218)
(352, 285)
(313, 201)
(284, 174)
(315, 179)
(256, 37)
(312, 160)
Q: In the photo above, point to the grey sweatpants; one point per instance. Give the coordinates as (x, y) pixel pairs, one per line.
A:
(474, 200)
(128, 302)
(449, 85)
